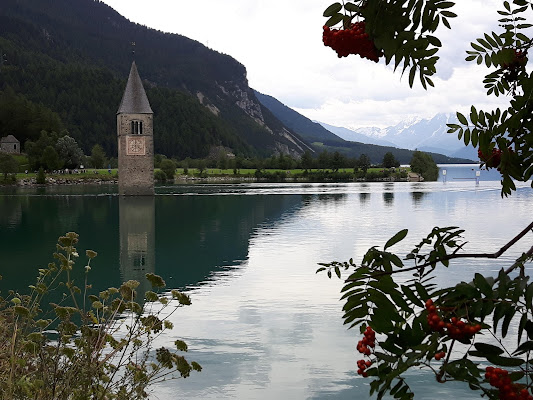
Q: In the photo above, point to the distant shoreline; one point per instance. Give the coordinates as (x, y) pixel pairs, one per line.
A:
(31, 182)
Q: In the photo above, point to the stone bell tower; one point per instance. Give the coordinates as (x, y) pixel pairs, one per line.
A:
(135, 140)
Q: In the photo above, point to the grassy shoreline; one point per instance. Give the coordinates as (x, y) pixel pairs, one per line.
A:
(90, 176)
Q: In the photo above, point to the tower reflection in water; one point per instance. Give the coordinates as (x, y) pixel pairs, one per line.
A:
(137, 239)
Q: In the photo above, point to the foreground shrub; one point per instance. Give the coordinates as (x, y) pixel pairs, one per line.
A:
(86, 346)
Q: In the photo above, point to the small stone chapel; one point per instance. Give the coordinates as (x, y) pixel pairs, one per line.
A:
(135, 140)
(10, 144)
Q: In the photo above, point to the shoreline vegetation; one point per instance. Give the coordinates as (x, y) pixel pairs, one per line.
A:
(110, 176)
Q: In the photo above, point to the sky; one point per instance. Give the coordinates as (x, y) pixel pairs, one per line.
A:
(280, 44)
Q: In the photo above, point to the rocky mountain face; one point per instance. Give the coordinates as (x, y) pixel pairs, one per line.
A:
(92, 36)
(309, 130)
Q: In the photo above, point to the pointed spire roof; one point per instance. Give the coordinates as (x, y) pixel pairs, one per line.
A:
(134, 100)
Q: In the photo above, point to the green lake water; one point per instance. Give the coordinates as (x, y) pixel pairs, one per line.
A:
(262, 323)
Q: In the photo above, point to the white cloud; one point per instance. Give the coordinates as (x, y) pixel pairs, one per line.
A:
(280, 44)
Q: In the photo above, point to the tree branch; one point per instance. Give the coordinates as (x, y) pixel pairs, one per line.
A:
(466, 255)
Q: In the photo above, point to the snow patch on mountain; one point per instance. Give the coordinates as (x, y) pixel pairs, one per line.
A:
(415, 133)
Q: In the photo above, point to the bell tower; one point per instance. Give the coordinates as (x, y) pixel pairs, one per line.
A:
(135, 140)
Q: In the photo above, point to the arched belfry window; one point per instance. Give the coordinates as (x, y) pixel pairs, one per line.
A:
(136, 127)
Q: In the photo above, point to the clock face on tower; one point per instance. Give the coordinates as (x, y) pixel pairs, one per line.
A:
(135, 146)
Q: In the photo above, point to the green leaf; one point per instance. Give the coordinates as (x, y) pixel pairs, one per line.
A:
(155, 280)
(499, 312)
(497, 38)
(489, 349)
(381, 324)
(524, 348)
(448, 14)
(477, 47)
(400, 301)
(488, 60)
(521, 326)
(462, 119)
(491, 40)
(467, 137)
(334, 20)
(507, 320)
(180, 345)
(422, 292)
(482, 284)
(434, 41)
(473, 115)
(422, 80)
(21, 310)
(522, 37)
(412, 76)
(352, 7)
(474, 138)
(385, 357)
(413, 298)
(384, 306)
(396, 238)
(485, 44)
(446, 4)
(332, 9)
(392, 347)
(504, 361)
(354, 313)
(529, 296)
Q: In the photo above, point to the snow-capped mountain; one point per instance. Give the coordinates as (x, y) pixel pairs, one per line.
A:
(415, 133)
(363, 135)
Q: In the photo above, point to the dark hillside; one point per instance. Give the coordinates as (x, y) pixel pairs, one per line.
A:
(73, 56)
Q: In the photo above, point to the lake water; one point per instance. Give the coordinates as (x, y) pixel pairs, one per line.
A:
(262, 324)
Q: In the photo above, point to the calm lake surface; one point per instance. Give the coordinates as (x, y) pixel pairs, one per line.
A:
(262, 324)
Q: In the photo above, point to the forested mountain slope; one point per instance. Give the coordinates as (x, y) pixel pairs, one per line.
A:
(72, 58)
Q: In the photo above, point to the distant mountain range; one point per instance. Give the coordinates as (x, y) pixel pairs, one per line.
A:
(429, 135)
(363, 135)
(373, 142)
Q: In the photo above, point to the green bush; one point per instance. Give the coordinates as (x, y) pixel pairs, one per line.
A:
(169, 168)
(160, 176)
(41, 177)
(102, 343)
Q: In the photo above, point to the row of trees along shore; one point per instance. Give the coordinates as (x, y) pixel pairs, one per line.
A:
(53, 152)
(478, 332)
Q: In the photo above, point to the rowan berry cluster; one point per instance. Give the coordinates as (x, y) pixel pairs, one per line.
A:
(456, 328)
(353, 40)
(513, 68)
(491, 160)
(500, 379)
(369, 341)
(364, 346)
(362, 365)
(440, 355)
